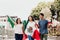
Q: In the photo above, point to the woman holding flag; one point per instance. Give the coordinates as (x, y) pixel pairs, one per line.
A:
(19, 30)
(30, 28)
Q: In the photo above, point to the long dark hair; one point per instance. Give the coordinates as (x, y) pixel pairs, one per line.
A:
(31, 17)
(17, 20)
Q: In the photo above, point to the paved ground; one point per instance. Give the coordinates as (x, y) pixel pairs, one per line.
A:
(58, 38)
(49, 38)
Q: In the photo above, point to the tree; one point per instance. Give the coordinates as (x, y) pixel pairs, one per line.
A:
(39, 7)
(52, 10)
(57, 7)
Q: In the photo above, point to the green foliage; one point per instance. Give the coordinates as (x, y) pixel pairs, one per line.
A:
(57, 5)
(38, 8)
(36, 17)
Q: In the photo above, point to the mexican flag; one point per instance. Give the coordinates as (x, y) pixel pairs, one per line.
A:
(11, 21)
(25, 22)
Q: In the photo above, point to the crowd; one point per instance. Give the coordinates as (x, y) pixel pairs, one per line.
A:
(35, 29)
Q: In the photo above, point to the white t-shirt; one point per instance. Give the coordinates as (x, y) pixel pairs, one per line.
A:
(18, 28)
(30, 24)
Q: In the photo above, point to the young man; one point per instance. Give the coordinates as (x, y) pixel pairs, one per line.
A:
(43, 26)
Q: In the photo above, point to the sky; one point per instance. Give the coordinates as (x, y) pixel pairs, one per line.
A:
(20, 8)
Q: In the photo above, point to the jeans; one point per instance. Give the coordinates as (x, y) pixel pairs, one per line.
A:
(30, 38)
(18, 36)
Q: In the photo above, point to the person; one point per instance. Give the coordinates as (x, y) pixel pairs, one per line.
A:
(43, 26)
(54, 25)
(30, 28)
(19, 30)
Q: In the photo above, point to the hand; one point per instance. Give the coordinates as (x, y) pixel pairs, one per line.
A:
(15, 23)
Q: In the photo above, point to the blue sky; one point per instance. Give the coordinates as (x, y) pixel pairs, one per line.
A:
(20, 8)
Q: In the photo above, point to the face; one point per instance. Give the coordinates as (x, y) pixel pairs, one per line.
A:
(41, 17)
(19, 20)
(30, 18)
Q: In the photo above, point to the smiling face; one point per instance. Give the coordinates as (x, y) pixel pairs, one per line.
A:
(41, 17)
(30, 18)
(18, 21)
